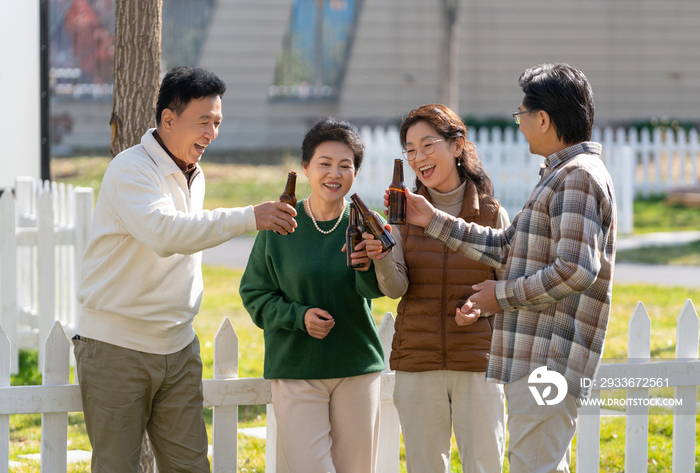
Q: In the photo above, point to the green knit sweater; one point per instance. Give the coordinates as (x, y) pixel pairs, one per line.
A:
(286, 276)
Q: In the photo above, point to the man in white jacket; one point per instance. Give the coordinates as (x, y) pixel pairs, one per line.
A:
(136, 349)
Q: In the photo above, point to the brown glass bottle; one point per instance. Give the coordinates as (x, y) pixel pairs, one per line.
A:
(353, 235)
(397, 196)
(288, 196)
(373, 224)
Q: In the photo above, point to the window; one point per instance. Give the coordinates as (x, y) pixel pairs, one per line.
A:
(82, 43)
(315, 51)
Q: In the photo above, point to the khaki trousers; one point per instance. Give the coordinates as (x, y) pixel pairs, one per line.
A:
(328, 425)
(433, 403)
(126, 391)
(540, 441)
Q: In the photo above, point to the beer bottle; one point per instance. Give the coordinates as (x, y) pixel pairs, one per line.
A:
(288, 196)
(397, 196)
(372, 223)
(353, 235)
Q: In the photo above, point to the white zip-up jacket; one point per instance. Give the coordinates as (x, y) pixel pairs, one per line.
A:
(142, 278)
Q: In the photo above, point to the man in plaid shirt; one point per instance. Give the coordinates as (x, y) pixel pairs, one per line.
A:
(553, 304)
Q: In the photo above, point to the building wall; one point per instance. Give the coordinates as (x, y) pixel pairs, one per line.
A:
(395, 59)
(242, 47)
(641, 57)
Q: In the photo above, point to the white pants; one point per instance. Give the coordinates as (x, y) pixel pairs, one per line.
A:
(433, 403)
(328, 425)
(540, 441)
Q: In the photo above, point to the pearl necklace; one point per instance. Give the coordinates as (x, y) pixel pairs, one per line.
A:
(311, 214)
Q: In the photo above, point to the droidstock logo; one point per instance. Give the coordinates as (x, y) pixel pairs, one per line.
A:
(542, 376)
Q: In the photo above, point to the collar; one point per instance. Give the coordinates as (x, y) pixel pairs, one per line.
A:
(184, 167)
(585, 147)
(466, 192)
(448, 198)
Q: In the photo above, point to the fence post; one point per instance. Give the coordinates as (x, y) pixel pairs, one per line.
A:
(682, 151)
(687, 345)
(657, 150)
(61, 223)
(637, 417)
(5, 353)
(647, 162)
(625, 192)
(84, 202)
(69, 261)
(693, 149)
(225, 418)
(25, 198)
(389, 430)
(8, 273)
(46, 256)
(54, 425)
(670, 149)
(274, 457)
(588, 437)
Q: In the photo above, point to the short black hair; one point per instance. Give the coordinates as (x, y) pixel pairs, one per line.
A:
(182, 84)
(332, 129)
(565, 94)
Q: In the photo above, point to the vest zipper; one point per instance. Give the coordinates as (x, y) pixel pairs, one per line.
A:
(444, 309)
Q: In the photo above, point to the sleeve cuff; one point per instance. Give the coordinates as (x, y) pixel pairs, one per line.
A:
(249, 219)
(299, 318)
(505, 295)
(440, 226)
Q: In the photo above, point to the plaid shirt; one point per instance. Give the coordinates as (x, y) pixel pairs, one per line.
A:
(558, 255)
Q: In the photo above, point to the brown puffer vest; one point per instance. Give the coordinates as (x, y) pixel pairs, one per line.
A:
(427, 337)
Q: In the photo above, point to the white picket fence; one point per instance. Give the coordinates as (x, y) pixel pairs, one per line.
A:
(226, 392)
(44, 229)
(682, 373)
(640, 164)
(56, 398)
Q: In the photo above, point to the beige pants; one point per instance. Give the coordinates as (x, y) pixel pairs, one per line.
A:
(328, 425)
(433, 403)
(540, 441)
(126, 391)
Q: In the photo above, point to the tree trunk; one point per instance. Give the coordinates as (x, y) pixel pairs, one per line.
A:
(449, 55)
(137, 51)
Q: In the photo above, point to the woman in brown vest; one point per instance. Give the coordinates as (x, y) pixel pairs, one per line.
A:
(440, 354)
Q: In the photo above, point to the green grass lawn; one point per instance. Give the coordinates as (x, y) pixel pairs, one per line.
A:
(227, 185)
(221, 300)
(236, 185)
(655, 215)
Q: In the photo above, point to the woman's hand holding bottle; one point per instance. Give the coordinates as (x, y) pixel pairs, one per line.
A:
(418, 210)
(359, 256)
(374, 246)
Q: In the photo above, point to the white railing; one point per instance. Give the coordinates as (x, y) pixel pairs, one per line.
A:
(43, 232)
(226, 392)
(643, 163)
(681, 373)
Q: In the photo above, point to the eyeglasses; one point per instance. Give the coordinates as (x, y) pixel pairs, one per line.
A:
(516, 115)
(427, 148)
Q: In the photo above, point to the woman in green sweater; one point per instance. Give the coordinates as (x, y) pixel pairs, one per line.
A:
(322, 349)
